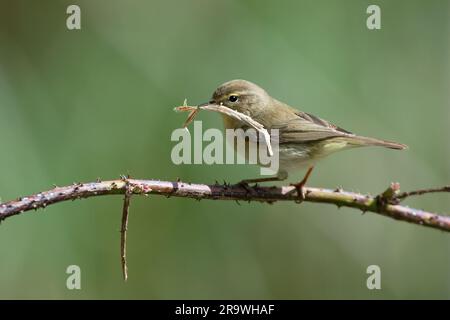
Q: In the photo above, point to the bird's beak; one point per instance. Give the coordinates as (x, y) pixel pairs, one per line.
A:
(206, 104)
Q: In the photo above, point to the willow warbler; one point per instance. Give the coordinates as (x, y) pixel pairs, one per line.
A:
(303, 138)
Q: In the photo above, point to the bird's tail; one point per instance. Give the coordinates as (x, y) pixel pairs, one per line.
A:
(366, 141)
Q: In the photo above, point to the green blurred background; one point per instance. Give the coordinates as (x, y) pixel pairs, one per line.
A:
(98, 102)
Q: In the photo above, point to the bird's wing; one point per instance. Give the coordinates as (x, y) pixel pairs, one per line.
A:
(305, 127)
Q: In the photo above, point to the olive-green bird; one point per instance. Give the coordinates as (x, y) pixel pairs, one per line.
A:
(303, 137)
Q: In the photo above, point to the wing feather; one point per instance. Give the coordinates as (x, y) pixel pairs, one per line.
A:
(298, 126)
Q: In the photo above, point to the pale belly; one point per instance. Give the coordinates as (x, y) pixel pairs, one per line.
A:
(293, 158)
(297, 157)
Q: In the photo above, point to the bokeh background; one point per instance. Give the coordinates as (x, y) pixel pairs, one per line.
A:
(98, 102)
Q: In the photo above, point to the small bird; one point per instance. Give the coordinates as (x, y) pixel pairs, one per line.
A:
(303, 138)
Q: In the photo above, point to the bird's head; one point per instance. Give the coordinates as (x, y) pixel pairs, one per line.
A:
(242, 96)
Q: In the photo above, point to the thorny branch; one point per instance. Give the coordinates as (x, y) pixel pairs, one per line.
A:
(386, 203)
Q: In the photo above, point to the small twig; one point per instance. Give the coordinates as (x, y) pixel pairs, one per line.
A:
(231, 113)
(124, 228)
(420, 192)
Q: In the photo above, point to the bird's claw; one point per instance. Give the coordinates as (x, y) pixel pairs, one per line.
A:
(301, 192)
(244, 184)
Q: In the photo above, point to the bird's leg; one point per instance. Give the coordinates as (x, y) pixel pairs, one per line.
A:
(245, 183)
(258, 180)
(299, 186)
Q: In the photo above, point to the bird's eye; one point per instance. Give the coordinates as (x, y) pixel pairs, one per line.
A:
(233, 98)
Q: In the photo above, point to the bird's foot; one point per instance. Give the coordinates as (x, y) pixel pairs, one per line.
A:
(301, 192)
(300, 187)
(244, 184)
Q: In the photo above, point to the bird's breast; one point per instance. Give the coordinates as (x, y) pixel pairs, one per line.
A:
(231, 123)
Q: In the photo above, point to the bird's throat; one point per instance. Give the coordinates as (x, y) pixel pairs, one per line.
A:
(230, 123)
